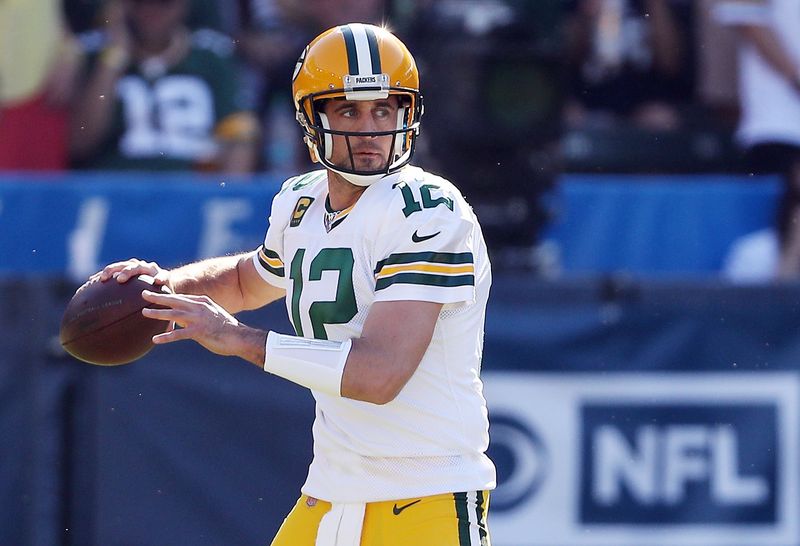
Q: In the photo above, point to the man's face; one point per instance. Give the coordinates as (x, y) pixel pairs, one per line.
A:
(368, 153)
(155, 21)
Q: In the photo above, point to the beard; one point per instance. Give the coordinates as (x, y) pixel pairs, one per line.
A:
(366, 157)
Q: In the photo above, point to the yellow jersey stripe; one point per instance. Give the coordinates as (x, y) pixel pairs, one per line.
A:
(441, 269)
(274, 262)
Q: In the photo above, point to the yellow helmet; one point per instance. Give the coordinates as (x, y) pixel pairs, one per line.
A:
(357, 62)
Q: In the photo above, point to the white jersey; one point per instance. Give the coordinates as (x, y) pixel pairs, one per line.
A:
(410, 236)
(770, 105)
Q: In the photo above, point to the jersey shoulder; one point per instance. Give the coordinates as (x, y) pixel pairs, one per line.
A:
(312, 183)
(419, 195)
(309, 187)
(426, 246)
(416, 206)
(417, 177)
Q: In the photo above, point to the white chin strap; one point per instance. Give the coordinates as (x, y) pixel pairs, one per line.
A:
(400, 139)
(327, 136)
(359, 179)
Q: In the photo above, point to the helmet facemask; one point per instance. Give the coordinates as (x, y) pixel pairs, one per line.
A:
(319, 135)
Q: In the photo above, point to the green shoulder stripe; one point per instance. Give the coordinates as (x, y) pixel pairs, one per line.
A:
(302, 181)
(430, 257)
(277, 271)
(270, 261)
(307, 179)
(270, 253)
(425, 279)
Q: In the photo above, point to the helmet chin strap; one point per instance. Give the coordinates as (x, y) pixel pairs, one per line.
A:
(358, 179)
(323, 118)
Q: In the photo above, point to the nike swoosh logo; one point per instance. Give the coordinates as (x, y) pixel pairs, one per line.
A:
(397, 509)
(419, 238)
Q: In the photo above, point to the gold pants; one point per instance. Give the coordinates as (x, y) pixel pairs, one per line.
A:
(451, 519)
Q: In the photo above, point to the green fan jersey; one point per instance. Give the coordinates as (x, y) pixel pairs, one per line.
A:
(165, 116)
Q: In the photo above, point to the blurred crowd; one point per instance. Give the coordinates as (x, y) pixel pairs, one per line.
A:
(205, 84)
(516, 91)
(155, 84)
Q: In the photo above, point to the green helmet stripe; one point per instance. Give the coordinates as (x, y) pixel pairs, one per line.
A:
(373, 50)
(350, 46)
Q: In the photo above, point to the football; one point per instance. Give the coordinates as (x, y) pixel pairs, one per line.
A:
(103, 322)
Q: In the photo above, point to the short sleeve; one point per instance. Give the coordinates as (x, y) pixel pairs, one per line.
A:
(428, 254)
(269, 258)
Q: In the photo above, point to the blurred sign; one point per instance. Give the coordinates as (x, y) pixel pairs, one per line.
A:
(74, 224)
(621, 459)
(656, 225)
(651, 226)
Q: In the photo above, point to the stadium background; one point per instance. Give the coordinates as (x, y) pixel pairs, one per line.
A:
(640, 393)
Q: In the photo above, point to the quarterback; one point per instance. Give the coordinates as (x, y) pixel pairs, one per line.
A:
(385, 276)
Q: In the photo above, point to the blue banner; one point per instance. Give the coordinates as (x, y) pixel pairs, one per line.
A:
(77, 223)
(656, 226)
(648, 226)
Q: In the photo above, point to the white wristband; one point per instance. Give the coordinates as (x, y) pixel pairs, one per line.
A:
(314, 363)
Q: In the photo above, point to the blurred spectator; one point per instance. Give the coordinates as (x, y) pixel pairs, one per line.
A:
(158, 96)
(629, 61)
(752, 258)
(716, 68)
(769, 80)
(269, 39)
(272, 43)
(492, 77)
(39, 63)
(86, 15)
(318, 15)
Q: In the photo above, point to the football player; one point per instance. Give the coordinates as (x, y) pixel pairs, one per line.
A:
(385, 275)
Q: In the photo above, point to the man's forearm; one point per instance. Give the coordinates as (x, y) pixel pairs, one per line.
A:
(253, 345)
(217, 278)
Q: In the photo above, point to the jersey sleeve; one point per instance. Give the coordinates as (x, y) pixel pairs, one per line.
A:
(427, 254)
(269, 258)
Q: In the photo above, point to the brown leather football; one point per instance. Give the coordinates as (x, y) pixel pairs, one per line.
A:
(103, 322)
